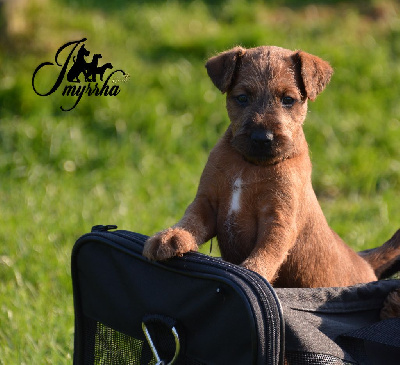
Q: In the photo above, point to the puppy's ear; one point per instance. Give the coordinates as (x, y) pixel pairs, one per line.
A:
(221, 68)
(315, 73)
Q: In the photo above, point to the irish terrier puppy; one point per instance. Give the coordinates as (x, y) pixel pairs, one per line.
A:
(255, 193)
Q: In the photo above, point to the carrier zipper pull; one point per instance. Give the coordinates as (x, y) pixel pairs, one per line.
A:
(103, 228)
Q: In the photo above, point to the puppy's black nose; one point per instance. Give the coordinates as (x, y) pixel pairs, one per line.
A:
(261, 137)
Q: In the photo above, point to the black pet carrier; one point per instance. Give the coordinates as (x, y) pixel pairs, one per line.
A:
(198, 309)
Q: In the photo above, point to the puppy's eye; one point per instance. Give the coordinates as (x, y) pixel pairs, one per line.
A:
(242, 99)
(288, 101)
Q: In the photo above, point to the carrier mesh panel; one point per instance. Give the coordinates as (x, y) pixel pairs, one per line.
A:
(106, 346)
(112, 347)
(310, 358)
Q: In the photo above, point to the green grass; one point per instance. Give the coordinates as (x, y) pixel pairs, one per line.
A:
(134, 160)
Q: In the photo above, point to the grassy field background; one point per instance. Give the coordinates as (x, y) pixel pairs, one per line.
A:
(134, 160)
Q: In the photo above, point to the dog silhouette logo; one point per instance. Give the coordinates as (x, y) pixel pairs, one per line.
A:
(81, 65)
(89, 69)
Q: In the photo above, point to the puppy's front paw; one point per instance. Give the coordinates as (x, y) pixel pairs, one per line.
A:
(169, 243)
(259, 268)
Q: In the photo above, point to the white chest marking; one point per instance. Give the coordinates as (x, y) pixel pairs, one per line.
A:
(236, 192)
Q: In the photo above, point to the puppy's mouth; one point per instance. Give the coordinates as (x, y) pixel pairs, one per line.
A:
(261, 146)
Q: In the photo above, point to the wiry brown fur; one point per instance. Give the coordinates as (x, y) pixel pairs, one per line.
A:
(391, 306)
(255, 193)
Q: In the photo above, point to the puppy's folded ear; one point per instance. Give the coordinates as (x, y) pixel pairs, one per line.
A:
(315, 73)
(221, 68)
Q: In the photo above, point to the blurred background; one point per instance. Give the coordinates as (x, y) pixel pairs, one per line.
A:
(135, 159)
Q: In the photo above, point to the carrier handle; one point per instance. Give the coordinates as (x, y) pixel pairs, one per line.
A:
(168, 322)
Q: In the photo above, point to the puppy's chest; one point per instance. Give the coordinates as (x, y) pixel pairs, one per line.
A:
(235, 198)
(240, 197)
(240, 204)
(237, 218)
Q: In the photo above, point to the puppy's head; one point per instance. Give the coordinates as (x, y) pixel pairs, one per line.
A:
(267, 91)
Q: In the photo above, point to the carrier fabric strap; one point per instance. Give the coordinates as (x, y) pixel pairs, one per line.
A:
(341, 322)
(375, 344)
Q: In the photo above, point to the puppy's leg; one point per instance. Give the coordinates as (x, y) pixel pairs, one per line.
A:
(197, 226)
(276, 236)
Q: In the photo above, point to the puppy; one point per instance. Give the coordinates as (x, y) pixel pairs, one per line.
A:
(255, 193)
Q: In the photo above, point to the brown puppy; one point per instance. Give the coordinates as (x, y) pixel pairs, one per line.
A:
(255, 193)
